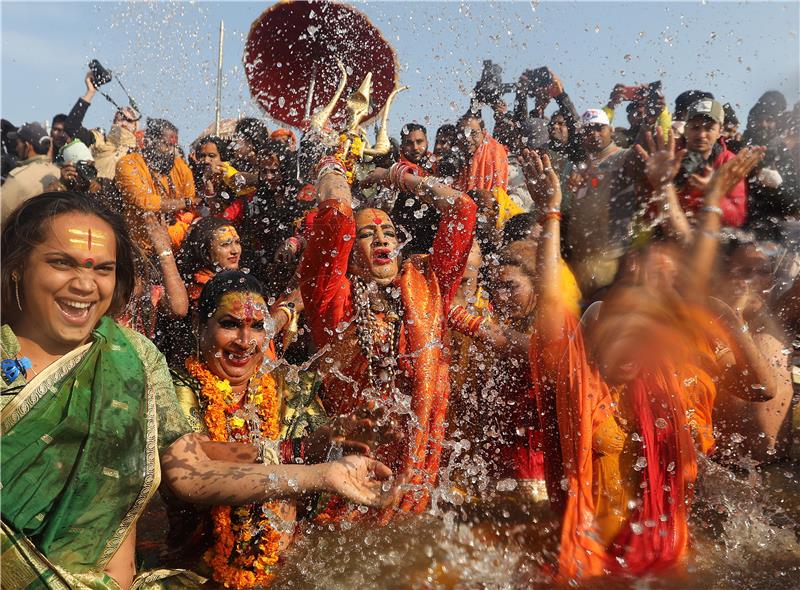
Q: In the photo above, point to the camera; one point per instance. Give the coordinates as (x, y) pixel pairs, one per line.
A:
(537, 80)
(100, 75)
(490, 87)
(693, 162)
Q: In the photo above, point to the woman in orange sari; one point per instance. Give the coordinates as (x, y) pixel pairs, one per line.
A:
(622, 399)
(383, 323)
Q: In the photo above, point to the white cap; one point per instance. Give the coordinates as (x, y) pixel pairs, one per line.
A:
(76, 151)
(595, 117)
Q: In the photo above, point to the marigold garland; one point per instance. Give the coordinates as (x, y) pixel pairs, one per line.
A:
(237, 561)
(355, 149)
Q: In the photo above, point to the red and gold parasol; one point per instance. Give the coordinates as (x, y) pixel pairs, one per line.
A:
(291, 53)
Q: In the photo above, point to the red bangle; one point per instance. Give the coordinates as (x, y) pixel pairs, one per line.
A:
(550, 215)
(464, 322)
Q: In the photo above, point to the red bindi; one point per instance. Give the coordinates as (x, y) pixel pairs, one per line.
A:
(376, 220)
(88, 263)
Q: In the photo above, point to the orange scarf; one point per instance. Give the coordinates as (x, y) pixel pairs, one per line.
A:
(424, 326)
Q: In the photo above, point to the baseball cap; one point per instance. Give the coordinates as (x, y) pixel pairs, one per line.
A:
(595, 117)
(31, 132)
(707, 108)
(76, 151)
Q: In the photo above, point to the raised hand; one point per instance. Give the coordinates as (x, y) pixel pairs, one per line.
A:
(542, 180)
(733, 172)
(362, 480)
(662, 161)
(157, 230)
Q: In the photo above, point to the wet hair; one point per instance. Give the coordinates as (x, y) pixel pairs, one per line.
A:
(195, 252)
(59, 118)
(409, 127)
(156, 128)
(523, 226)
(229, 281)
(27, 227)
(222, 145)
(254, 131)
(522, 254)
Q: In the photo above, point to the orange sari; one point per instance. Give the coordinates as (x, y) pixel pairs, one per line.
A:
(427, 286)
(620, 464)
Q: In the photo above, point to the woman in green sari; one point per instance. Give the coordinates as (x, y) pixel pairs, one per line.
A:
(90, 421)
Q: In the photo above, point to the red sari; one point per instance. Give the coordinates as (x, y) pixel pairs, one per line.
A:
(427, 286)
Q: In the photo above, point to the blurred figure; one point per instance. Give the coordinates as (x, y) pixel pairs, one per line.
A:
(120, 140)
(248, 141)
(9, 149)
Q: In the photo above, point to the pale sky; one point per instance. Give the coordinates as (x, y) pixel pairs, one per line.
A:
(166, 52)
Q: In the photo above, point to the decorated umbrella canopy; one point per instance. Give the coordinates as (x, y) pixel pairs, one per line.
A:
(292, 49)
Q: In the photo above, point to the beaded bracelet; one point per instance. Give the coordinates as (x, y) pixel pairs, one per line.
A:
(464, 322)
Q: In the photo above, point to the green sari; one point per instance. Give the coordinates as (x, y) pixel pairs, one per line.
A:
(80, 459)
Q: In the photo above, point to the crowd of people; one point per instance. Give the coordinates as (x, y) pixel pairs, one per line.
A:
(204, 346)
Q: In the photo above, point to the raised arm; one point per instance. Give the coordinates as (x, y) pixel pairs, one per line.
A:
(662, 163)
(176, 299)
(545, 189)
(706, 242)
(324, 285)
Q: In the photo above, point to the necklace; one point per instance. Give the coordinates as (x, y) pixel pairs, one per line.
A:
(245, 546)
(381, 358)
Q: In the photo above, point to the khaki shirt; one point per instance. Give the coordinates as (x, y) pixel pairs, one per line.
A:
(30, 178)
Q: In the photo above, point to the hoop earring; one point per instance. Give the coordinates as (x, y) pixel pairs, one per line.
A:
(15, 278)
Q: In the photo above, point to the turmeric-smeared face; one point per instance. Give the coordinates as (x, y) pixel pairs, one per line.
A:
(226, 248)
(232, 341)
(375, 252)
(68, 281)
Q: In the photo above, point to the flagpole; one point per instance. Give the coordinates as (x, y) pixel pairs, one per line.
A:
(217, 117)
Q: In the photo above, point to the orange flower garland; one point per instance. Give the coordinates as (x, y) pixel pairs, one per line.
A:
(232, 559)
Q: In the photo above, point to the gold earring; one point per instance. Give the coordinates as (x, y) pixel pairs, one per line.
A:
(15, 278)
